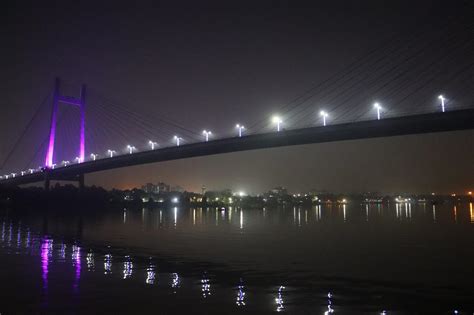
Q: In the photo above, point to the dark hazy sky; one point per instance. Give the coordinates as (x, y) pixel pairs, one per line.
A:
(211, 65)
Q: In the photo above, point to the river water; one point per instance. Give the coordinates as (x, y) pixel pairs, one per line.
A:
(342, 259)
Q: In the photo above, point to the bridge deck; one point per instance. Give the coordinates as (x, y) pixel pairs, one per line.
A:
(416, 124)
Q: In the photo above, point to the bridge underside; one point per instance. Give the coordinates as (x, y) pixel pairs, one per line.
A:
(416, 124)
(48, 177)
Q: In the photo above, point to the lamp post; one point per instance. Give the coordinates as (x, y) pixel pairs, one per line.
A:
(324, 115)
(441, 97)
(77, 159)
(111, 153)
(240, 128)
(94, 156)
(131, 148)
(378, 108)
(277, 120)
(152, 144)
(177, 139)
(206, 134)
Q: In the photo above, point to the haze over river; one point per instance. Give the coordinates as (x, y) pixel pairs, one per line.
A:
(342, 259)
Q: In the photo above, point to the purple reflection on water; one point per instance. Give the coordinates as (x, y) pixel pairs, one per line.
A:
(18, 238)
(27, 239)
(62, 251)
(46, 247)
(3, 231)
(10, 231)
(76, 261)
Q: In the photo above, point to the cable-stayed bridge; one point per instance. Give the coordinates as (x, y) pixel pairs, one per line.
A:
(392, 90)
(416, 124)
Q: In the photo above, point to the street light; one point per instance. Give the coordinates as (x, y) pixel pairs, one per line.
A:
(240, 128)
(13, 175)
(206, 134)
(65, 163)
(152, 144)
(379, 108)
(22, 173)
(441, 97)
(77, 159)
(131, 148)
(178, 139)
(31, 170)
(324, 115)
(111, 153)
(277, 120)
(94, 156)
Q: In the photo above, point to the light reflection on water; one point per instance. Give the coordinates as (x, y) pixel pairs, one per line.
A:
(10, 232)
(46, 253)
(205, 286)
(150, 274)
(90, 261)
(3, 232)
(471, 212)
(279, 300)
(127, 267)
(107, 264)
(175, 282)
(54, 250)
(18, 236)
(330, 309)
(76, 262)
(240, 300)
(62, 251)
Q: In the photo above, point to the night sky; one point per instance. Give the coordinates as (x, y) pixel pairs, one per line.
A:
(212, 65)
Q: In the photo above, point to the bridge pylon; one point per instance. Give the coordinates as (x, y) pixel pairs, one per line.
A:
(81, 103)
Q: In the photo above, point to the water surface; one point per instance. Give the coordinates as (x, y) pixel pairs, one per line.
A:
(346, 259)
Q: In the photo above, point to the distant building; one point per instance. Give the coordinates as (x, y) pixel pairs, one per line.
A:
(150, 188)
(163, 188)
(279, 191)
(177, 189)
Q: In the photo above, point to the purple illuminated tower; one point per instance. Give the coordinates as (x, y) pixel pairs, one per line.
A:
(58, 98)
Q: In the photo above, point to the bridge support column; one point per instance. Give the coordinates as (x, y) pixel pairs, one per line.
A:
(47, 182)
(81, 182)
